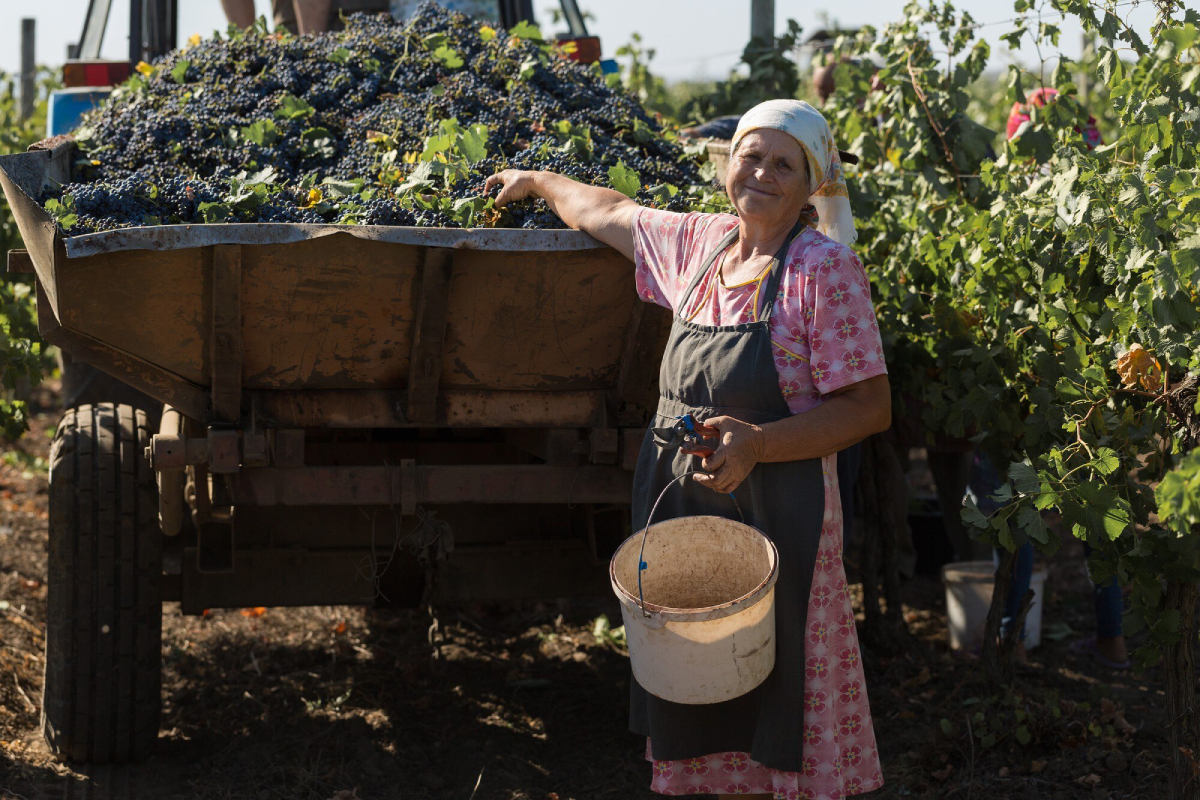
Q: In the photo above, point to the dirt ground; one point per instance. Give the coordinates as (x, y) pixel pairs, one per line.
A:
(525, 702)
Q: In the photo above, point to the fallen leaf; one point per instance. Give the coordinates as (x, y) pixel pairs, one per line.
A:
(31, 583)
(257, 611)
(1003, 772)
(1091, 779)
(943, 774)
(340, 627)
(1114, 715)
(1037, 766)
(919, 680)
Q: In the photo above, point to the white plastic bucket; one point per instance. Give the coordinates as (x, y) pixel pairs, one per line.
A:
(704, 629)
(969, 593)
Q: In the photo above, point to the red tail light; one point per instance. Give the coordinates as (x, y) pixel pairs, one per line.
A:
(95, 73)
(587, 48)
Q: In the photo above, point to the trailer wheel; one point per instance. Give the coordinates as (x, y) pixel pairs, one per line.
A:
(102, 695)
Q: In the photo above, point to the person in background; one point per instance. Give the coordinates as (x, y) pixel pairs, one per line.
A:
(302, 16)
(1107, 646)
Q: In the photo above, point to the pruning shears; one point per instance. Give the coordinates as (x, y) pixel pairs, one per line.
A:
(689, 436)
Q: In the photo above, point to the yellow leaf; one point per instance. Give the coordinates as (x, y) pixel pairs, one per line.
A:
(411, 157)
(569, 47)
(487, 33)
(193, 40)
(95, 162)
(145, 68)
(1139, 365)
(314, 197)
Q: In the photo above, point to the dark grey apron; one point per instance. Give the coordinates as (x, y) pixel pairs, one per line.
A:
(730, 370)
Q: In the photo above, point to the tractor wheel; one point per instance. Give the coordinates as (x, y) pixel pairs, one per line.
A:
(102, 696)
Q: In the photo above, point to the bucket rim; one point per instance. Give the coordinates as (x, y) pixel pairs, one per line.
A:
(980, 571)
(705, 613)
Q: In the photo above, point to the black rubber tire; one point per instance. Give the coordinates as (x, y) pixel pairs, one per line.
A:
(102, 698)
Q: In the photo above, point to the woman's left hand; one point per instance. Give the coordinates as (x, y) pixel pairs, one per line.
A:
(742, 446)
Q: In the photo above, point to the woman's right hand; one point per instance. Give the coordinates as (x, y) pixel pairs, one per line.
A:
(604, 213)
(517, 185)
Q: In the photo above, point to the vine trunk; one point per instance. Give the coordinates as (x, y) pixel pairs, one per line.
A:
(1179, 669)
(883, 490)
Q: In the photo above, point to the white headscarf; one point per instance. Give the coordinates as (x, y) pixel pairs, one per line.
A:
(828, 181)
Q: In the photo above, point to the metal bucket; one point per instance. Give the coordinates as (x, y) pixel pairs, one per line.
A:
(700, 613)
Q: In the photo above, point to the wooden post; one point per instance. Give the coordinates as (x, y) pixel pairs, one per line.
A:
(28, 67)
(429, 331)
(225, 348)
(137, 31)
(1082, 77)
(762, 22)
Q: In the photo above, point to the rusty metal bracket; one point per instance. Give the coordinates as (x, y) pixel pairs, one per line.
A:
(19, 261)
(225, 351)
(215, 536)
(429, 330)
(224, 451)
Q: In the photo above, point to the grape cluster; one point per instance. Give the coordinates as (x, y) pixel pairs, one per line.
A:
(292, 113)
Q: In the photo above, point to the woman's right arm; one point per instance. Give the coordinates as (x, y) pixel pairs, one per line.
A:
(603, 213)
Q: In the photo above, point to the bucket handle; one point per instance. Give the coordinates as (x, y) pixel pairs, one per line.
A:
(642, 565)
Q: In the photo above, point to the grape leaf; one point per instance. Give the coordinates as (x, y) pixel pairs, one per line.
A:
(624, 180)
(179, 71)
(291, 107)
(473, 143)
(448, 56)
(263, 132)
(215, 212)
(1024, 477)
(1106, 462)
(526, 30)
(319, 142)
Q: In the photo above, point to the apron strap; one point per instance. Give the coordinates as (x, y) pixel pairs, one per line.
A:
(729, 239)
(768, 292)
(772, 285)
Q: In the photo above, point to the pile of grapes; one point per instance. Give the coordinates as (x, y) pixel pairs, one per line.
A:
(384, 123)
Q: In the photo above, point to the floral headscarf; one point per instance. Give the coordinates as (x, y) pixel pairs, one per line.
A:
(826, 177)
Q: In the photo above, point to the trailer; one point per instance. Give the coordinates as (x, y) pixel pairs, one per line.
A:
(380, 416)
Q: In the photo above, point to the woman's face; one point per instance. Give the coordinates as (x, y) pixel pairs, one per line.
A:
(767, 181)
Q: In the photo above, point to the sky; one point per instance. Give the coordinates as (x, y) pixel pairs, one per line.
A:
(693, 39)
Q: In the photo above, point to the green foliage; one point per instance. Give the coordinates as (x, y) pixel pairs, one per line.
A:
(770, 73)
(22, 358)
(634, 75)
(1041, 302)
(445, 161)
(605, 634)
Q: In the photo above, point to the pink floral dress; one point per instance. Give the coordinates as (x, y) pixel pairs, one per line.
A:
(824, 337)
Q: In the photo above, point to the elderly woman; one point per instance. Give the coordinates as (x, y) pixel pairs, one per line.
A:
(775, 344)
